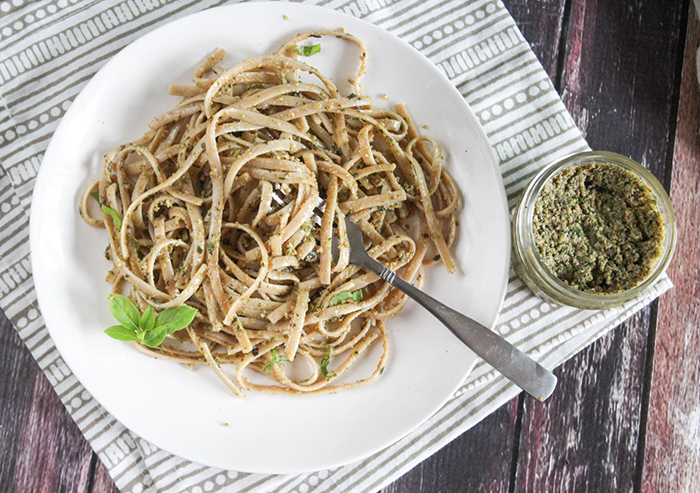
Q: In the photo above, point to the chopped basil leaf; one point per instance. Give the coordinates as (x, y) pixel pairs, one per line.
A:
(325, 362)
(113, 214)
(95, 196)
(275, 359)
(346, 295)
(307, 50)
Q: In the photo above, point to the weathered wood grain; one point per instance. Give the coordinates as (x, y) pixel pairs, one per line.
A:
(542, 23)
(618, 82)
(101, 480)
(619, 76)
(479, 460)
(41, 447)
(672, 451)
(584, 439)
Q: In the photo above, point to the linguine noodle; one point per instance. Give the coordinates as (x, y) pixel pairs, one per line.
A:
(216, 205)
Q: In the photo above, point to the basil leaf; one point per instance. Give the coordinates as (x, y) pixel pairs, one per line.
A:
(148, 319)
(95, 196)
(340, 297)
(124, 311)
(113, 214)
(275, 359)
(121, 333)
(325, 362)
(175, 318)
(154, 338)
(346, 295)
(307, 50)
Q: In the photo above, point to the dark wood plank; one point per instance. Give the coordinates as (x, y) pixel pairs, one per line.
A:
(672, 451)
(618, 82)
(542, 23)
(584, 438)
(479, 460)
(619, 76)
(101, 480)
(42, 448)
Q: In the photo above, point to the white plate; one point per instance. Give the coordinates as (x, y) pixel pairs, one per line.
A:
(184, 411)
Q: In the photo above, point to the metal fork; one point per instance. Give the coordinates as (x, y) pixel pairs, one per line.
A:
(515, 365)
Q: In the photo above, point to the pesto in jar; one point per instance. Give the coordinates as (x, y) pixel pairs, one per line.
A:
(598, 228)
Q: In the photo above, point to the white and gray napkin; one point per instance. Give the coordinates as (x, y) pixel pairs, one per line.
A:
(49, 50)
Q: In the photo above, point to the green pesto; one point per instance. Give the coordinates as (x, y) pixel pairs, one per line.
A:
(598, 228)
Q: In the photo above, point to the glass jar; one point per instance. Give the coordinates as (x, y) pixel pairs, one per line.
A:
(529, 264)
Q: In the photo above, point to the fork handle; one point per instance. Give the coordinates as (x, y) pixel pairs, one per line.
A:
(515, 365)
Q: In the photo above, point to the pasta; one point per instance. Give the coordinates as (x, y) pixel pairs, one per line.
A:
(229, 204)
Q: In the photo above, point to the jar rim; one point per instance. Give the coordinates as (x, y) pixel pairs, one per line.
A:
(527, 255)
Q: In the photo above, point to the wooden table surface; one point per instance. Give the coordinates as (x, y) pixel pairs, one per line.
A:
(626, 414)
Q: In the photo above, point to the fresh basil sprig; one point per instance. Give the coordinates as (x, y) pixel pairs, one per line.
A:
(149, 329)
(325, 362)
(346, 295)
(275, 359)
(307, 50)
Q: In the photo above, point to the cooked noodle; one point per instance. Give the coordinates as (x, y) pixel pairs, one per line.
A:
(217, 208)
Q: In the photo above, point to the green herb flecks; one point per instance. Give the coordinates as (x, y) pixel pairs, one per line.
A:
(325, 362)
(275, 359)
(307, 50)
(346, 295)
(95, 196)
(149, 329)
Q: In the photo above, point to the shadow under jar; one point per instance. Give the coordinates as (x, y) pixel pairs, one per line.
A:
(586, 245)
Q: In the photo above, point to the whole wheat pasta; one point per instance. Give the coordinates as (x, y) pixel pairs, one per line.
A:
(217, 207)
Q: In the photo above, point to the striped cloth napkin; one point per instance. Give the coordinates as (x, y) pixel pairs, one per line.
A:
(49, 50)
